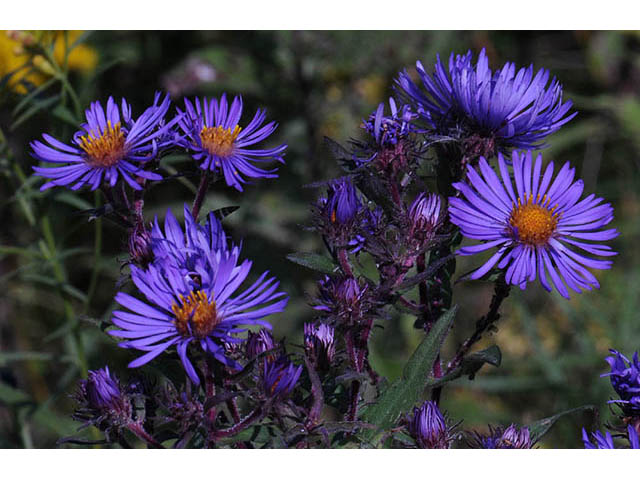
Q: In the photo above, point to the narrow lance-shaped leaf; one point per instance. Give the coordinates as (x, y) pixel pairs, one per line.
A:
(313, 261)
(408, 390)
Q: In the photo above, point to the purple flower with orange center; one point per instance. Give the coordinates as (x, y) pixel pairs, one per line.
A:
(216, 139)
(110, 145)
(192, 299)
(540, 228)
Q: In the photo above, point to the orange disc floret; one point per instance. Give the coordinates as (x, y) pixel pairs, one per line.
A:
(533, 223)
(196, 315)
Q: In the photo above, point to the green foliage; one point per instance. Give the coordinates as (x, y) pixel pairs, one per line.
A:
(408, 390)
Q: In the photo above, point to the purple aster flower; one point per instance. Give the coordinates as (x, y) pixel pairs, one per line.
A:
(389, 130)
(600, 441)
(101, 398)
(319, 343)
(258, 343)
(625, 379)
(111, 144)
(191, 299)
(424, 217)
(428, 427)
(517, 109)
(510, 438)
(196, 244)
(280, 377)
(215, 138)
(537, 227)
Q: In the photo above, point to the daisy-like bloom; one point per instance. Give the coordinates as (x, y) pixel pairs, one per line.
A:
(599, 441)
(516, 108)
(214, 136)
(319, 343)
(109, 146)
(537, 227)
(193, 299)
(428, 427)
(625, 379)
(510, 438)
(280, 377)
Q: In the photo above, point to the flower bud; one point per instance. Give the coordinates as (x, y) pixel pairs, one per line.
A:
(428, 427)
(424, 217)
(318, 342)
(280, 377)
(511, 437)
(101, 400)
(258, 343)
(140, 250)
(343, 297)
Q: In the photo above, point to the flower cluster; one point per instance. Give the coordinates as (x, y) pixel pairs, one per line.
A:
(113, 144)
(191, 292)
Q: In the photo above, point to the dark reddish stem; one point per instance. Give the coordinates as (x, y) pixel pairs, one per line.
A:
(140, 432)
(200, 194)
(344, 262)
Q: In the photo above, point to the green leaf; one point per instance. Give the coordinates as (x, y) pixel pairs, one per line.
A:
(313, 261)
(408, 390)
(541, 427)
(471, 364)
(10, 395)
(6, 357)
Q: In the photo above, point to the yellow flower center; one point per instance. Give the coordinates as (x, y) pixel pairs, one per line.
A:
(533, 223)
(219, 141)
(106, 149)
(196, 316)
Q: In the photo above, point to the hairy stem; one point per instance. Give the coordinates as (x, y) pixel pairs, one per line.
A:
(200, 194)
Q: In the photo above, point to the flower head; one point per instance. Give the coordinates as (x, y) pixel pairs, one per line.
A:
(214, 136)
(192, 297)
(280, 377)
(319, 343)
(388, 130)
(511, 437)
(110, 145)
(600, 441)
(517, 109)
(625, 379)
(101, 399)
(140, 251)
(428, 427)
(537, 227)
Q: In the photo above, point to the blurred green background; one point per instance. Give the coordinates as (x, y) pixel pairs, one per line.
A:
(314, 84)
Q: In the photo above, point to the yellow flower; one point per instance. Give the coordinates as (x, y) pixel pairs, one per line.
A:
(15, 53)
